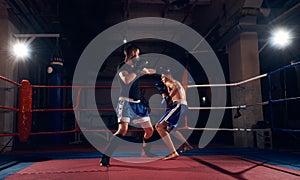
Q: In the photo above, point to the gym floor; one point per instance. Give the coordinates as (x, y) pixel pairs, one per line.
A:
(206, 163)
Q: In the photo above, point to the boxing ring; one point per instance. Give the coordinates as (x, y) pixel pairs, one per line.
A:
(25, 109)
(210, 162)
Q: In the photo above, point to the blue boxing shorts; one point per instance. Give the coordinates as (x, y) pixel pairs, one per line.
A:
(176, 112)
(130, 109)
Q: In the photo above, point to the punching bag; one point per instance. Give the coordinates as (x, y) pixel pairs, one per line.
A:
(55, 78)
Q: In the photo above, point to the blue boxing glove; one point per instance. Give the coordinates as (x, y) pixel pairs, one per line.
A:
(168, 100)
(161, 87)
(163, 91)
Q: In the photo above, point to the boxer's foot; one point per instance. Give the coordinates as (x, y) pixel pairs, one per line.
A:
(171, 156)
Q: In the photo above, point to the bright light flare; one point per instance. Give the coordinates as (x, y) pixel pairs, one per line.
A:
(124, 40)
(281, 38)
(21, 50)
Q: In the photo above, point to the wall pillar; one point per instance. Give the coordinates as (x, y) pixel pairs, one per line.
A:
(8, 91)
(244, 64)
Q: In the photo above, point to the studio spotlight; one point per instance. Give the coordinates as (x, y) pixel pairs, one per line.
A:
(281, 38)
(21, 50)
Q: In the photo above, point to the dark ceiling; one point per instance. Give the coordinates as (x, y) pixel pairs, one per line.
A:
(79, 21)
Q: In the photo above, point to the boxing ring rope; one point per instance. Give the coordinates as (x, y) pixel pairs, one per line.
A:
(23, 136)
(228, 85)
(228, 129)
(76, 108)
(270, 102)
(9, 108)
(10, 81)
(197, 108)
(273, 101)
(244, 106)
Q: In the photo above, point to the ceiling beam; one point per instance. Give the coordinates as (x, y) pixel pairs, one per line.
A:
(126, 9)
(197, 2)
(286, 13)
(3, 8)
(253, 3)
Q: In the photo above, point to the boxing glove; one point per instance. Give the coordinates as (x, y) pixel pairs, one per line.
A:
(139, 65)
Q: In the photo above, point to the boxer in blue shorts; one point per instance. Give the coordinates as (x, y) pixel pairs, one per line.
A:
(129, 105)
(178, 109)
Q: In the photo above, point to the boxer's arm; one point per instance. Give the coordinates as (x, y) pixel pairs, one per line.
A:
(127, 77)
(148, 71)
(140, 66)
(172, 88)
